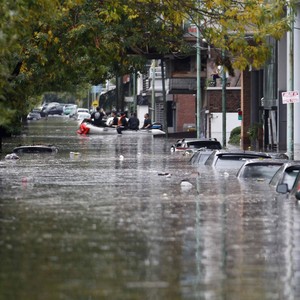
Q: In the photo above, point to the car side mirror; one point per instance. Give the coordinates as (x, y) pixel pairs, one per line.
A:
(282, 188)
(297, 195)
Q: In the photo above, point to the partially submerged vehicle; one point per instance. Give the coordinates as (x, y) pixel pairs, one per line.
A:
(193, 145)
(35, 114)
(296, 189)
(82, 113)
(284, 179)
(236, 158)
(36, 149)
(259, 169)
(53, 108)
(70, 110)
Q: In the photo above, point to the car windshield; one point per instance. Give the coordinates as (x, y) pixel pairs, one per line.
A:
(259, 171)
(235, 159)
(229, 162)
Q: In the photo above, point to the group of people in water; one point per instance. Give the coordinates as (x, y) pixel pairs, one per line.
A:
(120, 122)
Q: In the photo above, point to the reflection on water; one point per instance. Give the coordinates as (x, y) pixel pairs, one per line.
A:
(102, 224)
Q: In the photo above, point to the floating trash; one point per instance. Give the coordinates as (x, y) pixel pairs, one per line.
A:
(12, 156)
(185, 185)
(75, 155)
(165, 174)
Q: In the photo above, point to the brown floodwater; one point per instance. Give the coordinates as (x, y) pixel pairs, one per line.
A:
(99, 220)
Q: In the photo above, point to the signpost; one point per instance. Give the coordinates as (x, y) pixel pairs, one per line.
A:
(290, 97)
(95, 103)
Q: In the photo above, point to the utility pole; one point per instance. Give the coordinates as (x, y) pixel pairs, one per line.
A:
(153, 91)
(224, 83)
(134, 91)
(198, 97)
(164, 97)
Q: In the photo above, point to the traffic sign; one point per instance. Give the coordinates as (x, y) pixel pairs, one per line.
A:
(290, 97)
(95, 103)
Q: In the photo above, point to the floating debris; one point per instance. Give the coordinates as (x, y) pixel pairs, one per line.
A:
(75, 155)
(168, 175)
(36, 149)
(12, 156)
(185, 185)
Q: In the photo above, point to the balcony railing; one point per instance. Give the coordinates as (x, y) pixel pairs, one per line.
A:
(184, 85)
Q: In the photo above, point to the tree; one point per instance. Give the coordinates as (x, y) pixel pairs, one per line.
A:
(19, 20)
(240, 28)
(56, 45)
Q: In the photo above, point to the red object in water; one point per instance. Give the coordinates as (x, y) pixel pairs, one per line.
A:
(83, 129)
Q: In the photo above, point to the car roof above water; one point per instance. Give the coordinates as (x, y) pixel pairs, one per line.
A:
(233, 158)
(260, 168)
(200, 143)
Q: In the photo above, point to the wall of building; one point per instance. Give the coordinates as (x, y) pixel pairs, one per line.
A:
(185, 111)
(233, 99)
(216, 121)
(141, 111)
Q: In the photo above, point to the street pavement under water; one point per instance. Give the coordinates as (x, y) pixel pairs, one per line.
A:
(108, 223)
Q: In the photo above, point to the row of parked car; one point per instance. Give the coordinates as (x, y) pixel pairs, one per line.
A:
(275, 168)
(55, 108)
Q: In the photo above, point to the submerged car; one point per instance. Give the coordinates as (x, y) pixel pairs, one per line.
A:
(284, 179)
(82, 113)
(36, 149)
(234, 158)
(195, 144)
(200, 156)
(53, 108)
(35, 114)
(296, 189)
(259, 169)
(56, 110)
(70, 110)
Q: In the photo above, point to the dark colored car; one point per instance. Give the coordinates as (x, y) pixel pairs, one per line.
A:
(233, 159)
(53, 108)
(56, 110)
(36, 149)
(260, 169)
(284, 179)
(195, 144)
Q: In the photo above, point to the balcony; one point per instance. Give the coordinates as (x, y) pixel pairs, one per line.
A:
(184, 85)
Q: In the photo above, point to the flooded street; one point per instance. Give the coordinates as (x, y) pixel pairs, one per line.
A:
(100, 220)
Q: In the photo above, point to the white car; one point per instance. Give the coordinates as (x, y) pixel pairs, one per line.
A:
(83, 113)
